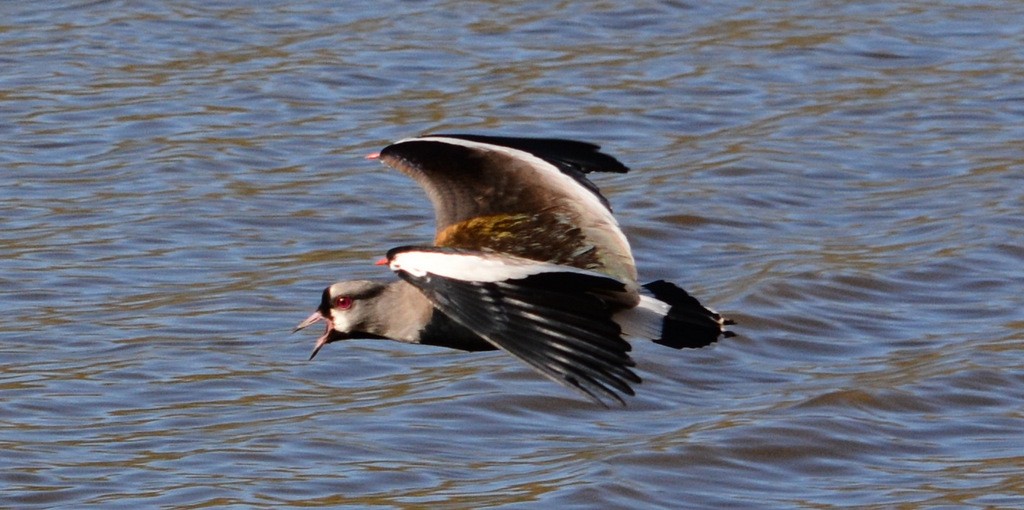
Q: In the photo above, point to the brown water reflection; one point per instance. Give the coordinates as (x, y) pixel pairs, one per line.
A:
(181, 180)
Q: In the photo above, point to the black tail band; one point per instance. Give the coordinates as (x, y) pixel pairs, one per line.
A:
(688, 323)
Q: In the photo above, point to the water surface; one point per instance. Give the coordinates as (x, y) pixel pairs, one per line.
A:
(179, 181)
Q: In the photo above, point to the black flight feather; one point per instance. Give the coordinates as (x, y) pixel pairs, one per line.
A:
(565, 154)
(564, 331)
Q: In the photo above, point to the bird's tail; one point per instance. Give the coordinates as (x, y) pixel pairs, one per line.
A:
(673, 318)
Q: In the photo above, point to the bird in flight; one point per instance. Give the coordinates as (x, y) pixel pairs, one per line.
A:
(527, 258)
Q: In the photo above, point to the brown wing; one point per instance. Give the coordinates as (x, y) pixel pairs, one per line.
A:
(525, 197)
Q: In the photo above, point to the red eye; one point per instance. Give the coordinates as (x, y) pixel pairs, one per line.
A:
(343, 302)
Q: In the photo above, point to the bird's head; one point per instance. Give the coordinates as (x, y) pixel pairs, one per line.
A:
(349, 311)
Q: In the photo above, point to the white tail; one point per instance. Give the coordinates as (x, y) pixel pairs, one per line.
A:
(672, 318)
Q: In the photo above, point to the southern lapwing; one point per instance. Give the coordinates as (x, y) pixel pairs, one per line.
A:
(527, 258)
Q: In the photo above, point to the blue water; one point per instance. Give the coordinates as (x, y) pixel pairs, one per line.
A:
(179, 181)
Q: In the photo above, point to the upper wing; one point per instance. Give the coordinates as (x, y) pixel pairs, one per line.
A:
(556, 319)
(522, 196)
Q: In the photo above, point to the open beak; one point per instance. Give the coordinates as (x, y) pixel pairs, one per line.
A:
(324, 339)
(320, 342)
(312, 319)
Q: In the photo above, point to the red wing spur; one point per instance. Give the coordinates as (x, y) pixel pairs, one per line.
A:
(527, 258)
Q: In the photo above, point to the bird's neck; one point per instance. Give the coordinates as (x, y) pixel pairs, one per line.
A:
(404, 310)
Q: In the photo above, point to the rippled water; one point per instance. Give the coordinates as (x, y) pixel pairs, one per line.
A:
(180, 180)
